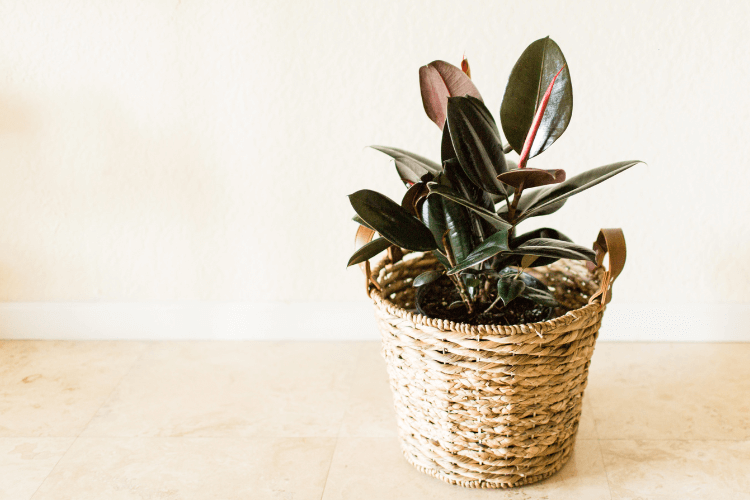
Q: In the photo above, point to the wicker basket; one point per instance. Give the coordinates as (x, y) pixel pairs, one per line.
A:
(487, 406)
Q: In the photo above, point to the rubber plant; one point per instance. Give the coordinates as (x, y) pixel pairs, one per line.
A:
(467, 208)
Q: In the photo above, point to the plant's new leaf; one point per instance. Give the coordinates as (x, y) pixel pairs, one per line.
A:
(368, 251)
(509, 289)
(527, 83)
(359, 221)
(542, 200)
(532, 177)
(490, 247)
(548, 247)
(426, 277)
(411, 167)
(438, 81)
(487, 215)
(477, 142)
(392, 222)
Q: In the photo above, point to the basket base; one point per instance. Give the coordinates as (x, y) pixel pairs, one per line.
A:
(482, 483)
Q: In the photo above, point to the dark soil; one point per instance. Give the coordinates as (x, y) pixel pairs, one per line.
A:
(433, 301)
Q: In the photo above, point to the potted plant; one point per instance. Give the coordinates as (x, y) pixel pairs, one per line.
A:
(487, 334)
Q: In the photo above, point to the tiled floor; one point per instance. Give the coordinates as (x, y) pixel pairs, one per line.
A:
(252, 420)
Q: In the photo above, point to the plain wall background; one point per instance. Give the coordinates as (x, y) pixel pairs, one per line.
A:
(197, 150)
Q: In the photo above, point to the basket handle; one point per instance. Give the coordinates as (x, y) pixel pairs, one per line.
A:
(611, 241)
(363, 236)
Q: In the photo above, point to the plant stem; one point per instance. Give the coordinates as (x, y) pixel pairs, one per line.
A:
(492, 305)
(462, 291)
(516, 199)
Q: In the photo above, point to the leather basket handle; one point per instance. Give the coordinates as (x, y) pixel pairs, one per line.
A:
(364, 236)
(612, 241)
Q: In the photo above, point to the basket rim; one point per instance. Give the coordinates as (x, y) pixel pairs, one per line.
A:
(538, 328)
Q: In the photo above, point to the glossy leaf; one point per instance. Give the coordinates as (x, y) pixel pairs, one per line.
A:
(413, 196)
(543, 297)
(486, 214)
(548, 247)
(426, 278)
(509, 289)
(524, 92)
(438, 81)
(477, 142)
(368, 251)
(532, 177)
(441, 215)
(447, 153)
(392, 222)
(542, 232)
(441, 258)
(463, 186)
(359, 221)
(552, 197)
(490, 247)
(411, 167)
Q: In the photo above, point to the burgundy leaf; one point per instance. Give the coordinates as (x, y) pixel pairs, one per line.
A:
(438, 81)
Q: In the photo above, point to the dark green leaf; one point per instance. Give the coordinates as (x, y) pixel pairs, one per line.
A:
(527, 83)
(476, 142)
(509, 289)
(543, 297)
(411, 167)
(441, 258)
(368, 251)
(490, 247)
(359, 221)
(441, 215)
(437, 82)
(426, 277)
(532, 177)
(392, 222)
(540, 201)
(447, 152)
(487, 215)
(542, 232)
(547, 247)
(413, 196)
(463, 186)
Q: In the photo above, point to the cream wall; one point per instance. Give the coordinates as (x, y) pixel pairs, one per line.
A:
(203, 151)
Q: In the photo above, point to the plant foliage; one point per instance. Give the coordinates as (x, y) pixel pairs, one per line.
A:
(467, 208)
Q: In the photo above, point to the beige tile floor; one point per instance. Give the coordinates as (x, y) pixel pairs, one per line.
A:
(296, 420)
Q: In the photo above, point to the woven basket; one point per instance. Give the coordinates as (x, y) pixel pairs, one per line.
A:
(487, 406)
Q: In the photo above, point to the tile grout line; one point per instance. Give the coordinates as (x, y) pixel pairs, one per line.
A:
(104, 401)
(341, 423)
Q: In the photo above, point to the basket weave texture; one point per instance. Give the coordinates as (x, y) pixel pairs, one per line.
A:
(486, 406)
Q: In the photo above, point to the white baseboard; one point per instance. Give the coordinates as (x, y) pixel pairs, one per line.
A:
(325, 321)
